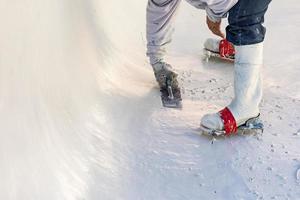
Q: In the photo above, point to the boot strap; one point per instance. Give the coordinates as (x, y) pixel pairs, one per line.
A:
(226, 49)
(229, 122)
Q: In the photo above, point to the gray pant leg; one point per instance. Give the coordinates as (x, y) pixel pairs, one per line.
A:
(160, 19)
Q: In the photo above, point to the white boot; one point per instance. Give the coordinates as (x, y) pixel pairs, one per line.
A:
(247, 90)
(212, 44)
(162, 71)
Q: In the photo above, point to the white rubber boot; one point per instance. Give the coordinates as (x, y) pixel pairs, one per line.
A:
(212, 44)
(247, 88)
(162, 71)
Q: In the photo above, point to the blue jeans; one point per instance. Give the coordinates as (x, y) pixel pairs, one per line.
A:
(245, 22)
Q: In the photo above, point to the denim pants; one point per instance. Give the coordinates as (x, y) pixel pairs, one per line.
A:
(246, 22)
